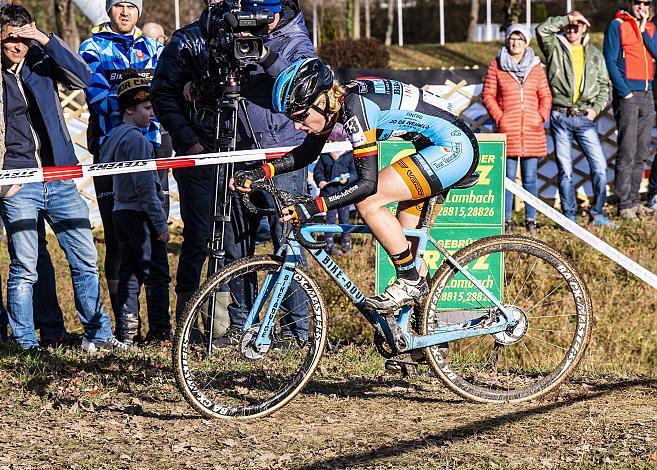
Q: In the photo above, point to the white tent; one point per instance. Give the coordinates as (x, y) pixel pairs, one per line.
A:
(93, 9)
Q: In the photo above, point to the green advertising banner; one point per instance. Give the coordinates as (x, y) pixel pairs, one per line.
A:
(466, 216)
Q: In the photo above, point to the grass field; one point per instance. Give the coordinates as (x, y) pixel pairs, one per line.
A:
(124, 411)
(455, 55)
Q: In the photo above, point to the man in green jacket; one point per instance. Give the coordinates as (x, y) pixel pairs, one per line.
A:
(580, 90)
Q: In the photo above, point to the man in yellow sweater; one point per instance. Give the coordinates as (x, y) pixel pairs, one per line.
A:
(580, 90)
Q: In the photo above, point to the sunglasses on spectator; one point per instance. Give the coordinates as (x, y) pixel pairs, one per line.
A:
(639, 2)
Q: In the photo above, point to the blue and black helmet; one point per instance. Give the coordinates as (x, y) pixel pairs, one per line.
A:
(300, 84)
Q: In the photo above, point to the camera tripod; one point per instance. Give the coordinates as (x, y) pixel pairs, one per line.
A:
(225, 139)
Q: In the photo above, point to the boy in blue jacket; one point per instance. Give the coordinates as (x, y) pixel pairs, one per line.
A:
(140, 220)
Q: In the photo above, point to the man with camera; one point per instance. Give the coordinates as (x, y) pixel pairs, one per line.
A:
(181, 104)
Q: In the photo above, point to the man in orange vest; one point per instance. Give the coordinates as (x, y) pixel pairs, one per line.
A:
(629, 48)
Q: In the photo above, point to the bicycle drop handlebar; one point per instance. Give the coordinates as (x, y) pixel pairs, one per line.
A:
(283, 199)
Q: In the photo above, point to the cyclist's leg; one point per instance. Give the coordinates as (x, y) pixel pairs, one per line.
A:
(409, 286)
(410, 215)
(416, 177)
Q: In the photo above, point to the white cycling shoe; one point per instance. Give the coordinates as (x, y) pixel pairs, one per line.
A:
(401, 292)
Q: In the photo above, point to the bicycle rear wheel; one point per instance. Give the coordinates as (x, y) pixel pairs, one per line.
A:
(235, 381)
(547, 297)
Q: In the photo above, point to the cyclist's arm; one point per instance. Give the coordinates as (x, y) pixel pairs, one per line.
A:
(299, 157)
(363, 187)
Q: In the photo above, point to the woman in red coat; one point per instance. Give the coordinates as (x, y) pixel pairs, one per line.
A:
(517, 96)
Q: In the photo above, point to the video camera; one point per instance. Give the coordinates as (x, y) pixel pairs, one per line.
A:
(235, 41)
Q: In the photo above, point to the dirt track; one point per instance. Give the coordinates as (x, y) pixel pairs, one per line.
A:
(118, 413)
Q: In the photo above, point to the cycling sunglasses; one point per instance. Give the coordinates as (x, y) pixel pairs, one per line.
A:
(639, 2)
(303, 115)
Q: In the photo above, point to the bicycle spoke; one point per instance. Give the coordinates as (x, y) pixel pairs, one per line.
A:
(506, 367)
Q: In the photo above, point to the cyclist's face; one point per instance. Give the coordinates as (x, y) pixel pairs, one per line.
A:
(314, 122)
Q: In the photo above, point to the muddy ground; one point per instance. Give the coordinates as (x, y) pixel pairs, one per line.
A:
(70, 411)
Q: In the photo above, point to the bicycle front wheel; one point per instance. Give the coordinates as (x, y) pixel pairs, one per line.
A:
(551, 307)
(233, 379)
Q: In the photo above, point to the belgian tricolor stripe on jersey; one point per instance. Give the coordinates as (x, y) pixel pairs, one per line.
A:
(321, 204)
(269, 170)
(367, 150)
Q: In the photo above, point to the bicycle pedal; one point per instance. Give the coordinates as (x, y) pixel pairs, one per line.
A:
(406, 367)
(397, 333)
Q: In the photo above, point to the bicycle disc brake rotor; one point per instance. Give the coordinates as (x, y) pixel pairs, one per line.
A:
(247, 345)
(517, 331)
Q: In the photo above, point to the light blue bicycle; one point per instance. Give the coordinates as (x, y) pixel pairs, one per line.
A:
(506, 319)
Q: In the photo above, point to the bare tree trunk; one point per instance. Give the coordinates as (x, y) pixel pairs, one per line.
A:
(67, 28)
(391, 21)
(368, 19)
(356, 19)
(473, 20)
(512, 12)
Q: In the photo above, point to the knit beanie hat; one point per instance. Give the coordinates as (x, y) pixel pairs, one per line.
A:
(110, 3)
(518, 28)
(256, 5)
(134, 89)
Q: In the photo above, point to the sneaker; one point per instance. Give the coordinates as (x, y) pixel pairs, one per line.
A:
(110, 344)
(156, 337)
(643, 211)
(603, 221)
(652, 203)
(509, 227)
(401, 292)
(628, 213)
(232, 337)
(531, 227)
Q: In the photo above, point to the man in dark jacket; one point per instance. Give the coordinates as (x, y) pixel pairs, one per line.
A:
(191, 122)
(36, 136)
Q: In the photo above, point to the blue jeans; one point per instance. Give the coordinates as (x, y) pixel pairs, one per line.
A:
(585, 131)
(342, 216)
(68, 216)
(528, 167)
(48, 317)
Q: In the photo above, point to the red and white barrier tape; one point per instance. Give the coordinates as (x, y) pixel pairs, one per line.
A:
(39, 175)
(580, 232)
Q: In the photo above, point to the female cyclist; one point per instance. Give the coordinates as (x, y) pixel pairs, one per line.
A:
(373, 110)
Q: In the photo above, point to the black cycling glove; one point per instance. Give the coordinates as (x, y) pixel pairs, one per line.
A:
(301, 213)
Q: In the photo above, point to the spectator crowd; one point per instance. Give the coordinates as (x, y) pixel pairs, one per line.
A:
(143, 103)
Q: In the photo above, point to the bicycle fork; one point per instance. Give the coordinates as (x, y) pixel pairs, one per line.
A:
(274, 287)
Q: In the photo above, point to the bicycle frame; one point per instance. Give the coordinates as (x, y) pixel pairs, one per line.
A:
(279, 282)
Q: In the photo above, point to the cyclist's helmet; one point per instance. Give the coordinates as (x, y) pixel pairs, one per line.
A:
(300, 84)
